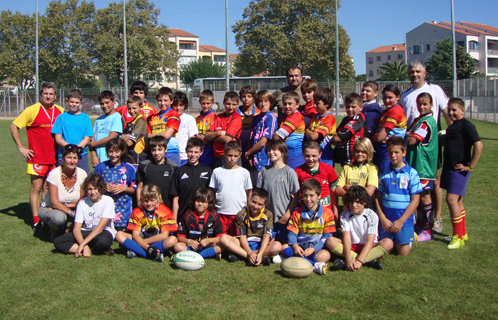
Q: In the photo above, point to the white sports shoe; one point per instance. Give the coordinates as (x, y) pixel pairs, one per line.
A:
(277, 259)
(320, 268)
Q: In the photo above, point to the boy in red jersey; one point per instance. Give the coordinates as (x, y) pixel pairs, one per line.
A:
(38, 120)
(313, 168)
(226, 127)
(138, 89)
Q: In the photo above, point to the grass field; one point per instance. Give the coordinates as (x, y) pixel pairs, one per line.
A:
(36, 282)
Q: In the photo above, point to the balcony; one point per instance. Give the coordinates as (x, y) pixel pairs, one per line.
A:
(492, 52)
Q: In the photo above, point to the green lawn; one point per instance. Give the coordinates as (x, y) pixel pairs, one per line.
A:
(433, 282)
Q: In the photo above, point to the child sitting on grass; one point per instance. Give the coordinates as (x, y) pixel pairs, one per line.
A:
(309, 228)
(151, 225)
(200, 228)
(93, 223)
(254, 226)
(359, 225)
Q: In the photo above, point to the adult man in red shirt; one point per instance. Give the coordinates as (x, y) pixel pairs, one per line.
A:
(38, 120)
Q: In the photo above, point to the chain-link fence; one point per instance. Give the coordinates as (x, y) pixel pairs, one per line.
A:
(480, 96)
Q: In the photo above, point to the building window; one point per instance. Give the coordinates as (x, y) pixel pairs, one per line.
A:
(220, 58)
(461, 43)
(186, 45)
(427, 47)
(400, 56)
(370, 60)
(473, 46)
(370, 73)
(378, 58)
(186, 60)
(388, 57)
(417, 49)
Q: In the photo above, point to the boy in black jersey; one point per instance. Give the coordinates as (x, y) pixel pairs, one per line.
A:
(254, 226)
(200, 228)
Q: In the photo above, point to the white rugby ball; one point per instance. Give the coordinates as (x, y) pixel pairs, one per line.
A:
(296, 267)
(188, 260)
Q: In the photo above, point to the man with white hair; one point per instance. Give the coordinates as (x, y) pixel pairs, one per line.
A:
(417, 73)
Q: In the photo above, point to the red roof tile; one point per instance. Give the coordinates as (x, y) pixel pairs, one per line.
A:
(181, 33)
(399, 47)
(209, 48)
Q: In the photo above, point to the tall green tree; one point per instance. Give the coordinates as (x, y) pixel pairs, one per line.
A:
(440, 63)
(276, 34)
(202, 68)
(17, 49)
(67, 43)
(396, 71)
(150, 53)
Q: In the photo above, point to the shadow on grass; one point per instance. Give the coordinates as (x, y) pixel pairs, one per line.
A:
(21, 211)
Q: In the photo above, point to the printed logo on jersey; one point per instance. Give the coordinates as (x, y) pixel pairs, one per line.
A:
(166, 174)
(320, 221)
(403, 183)
(260, 225)
(185, 176)
(203, 175)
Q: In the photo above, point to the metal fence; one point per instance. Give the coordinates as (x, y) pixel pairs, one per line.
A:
(480, 96)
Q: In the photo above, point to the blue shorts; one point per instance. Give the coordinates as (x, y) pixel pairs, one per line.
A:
(455, 181)
(404, 236)
(254, 245)
(280, 232)
(427, 184)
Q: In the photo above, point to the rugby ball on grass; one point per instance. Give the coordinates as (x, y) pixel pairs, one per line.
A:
(296, 267)
(188, 260)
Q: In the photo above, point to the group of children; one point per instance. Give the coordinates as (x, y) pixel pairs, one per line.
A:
(192, 188)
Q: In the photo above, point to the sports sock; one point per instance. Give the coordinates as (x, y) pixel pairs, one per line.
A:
(375, 253)
(36, 219)
(458, 225)
(288, 252)
(464, 231)
(339, 250)
(428, 217)
(208, 253)
(133, 246)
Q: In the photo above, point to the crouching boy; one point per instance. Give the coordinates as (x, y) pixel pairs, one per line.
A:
(359, 228)
(254, 226)
(309, 227)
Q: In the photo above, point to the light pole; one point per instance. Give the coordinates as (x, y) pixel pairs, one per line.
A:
(36, 56)
(227, 87)
(454, 50)
(125, 53)
(336, 60)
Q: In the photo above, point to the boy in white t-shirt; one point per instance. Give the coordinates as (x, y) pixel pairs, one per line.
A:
(188, 126)
(359, 230)
(233, 187)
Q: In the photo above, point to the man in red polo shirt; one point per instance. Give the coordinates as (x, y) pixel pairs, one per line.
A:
(38, 120)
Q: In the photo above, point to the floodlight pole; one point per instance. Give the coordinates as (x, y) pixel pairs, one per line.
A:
(36, 57)
(227, 87)
(336, 59)
(125, 53)
(454, 50)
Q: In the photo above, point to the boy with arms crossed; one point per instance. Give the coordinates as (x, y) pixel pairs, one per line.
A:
(254, 230)
(73, 127)
(204, 120)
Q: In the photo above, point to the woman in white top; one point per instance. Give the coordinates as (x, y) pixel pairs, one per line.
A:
(93, 223)
(64, 191)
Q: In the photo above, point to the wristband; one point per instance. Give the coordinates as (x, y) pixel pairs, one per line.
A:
(188, 243)
(468, 168)
(362, 262)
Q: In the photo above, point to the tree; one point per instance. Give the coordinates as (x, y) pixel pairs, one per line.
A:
(202, 68)
(67, 43)
(17, 49)
(440, 63)
(361, 77)
(276, 34)
(150, 54)
(396, 71)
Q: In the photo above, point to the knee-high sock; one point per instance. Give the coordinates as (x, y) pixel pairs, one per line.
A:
(208, 253)
(133, 246)
(375, 253)
(428, 217)
(289, 252)
(339, 250)
(463, 220)
(458, 225)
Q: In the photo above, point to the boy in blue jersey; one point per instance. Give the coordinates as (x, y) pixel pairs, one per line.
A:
(398, 197)
(371, 109)
(73, 127)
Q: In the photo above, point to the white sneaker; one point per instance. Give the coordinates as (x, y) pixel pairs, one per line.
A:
(438, 225)
(320, 268)
(277, 259)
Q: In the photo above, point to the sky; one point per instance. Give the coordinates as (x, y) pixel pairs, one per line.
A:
(369, 23)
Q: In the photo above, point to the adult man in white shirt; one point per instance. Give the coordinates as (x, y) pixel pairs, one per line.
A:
(417, 73)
